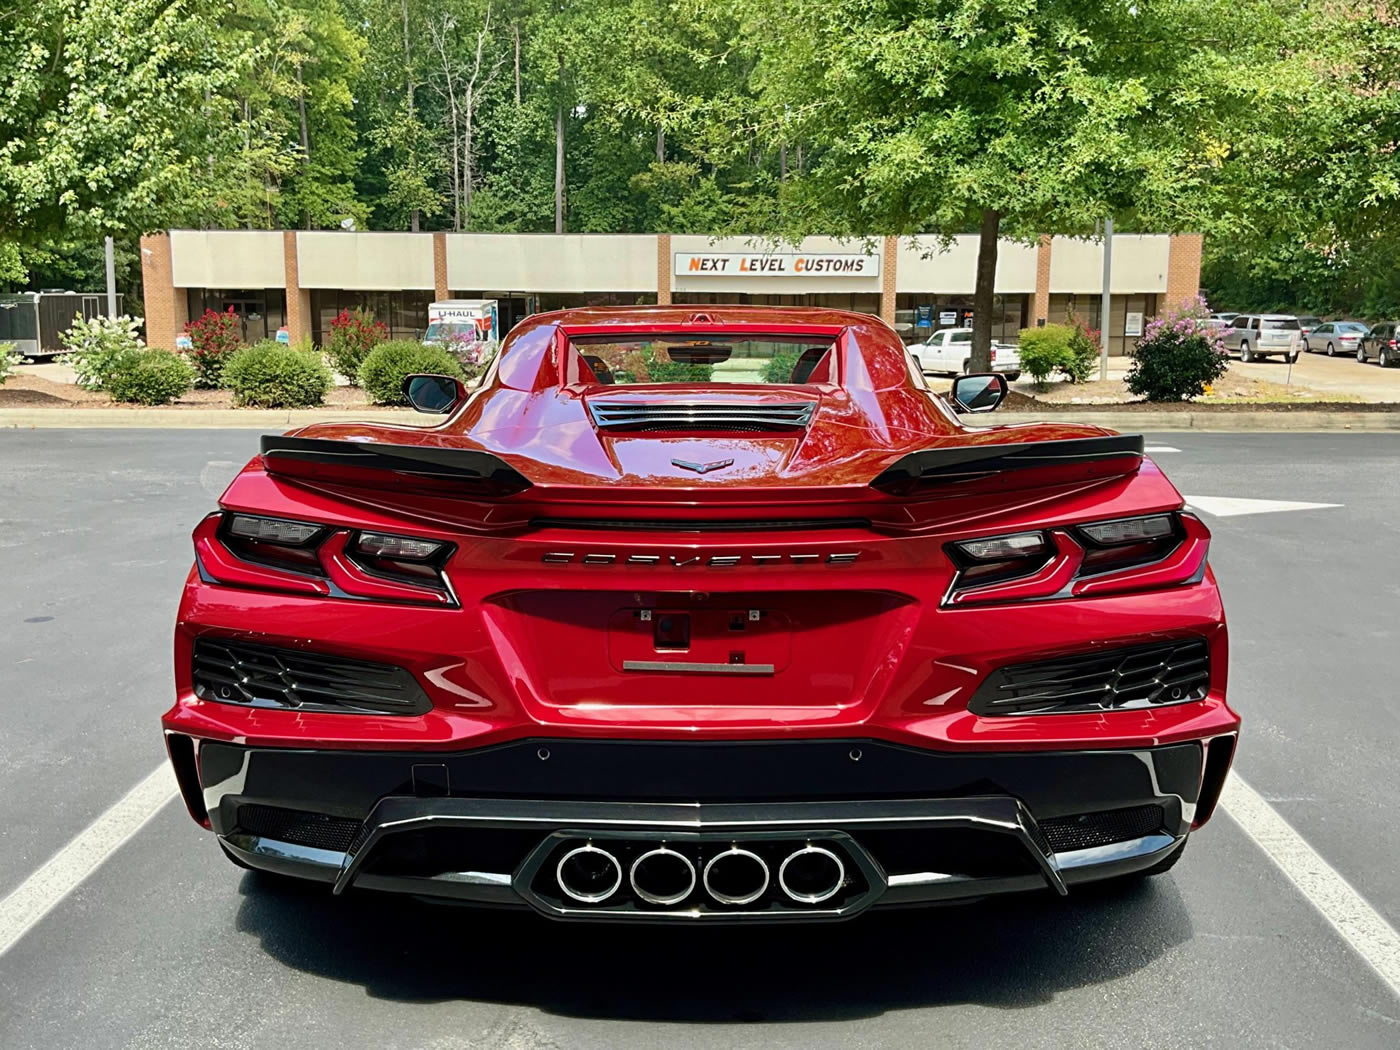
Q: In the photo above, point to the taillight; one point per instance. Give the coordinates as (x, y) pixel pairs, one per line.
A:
(1392, 344)
(1096, 558)
(245, 550)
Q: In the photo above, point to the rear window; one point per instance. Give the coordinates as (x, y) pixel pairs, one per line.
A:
(706, 359)
(1287, 325)
(960, 337)
(1349, 327)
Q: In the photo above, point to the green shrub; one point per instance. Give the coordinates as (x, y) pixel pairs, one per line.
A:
(270, 374)
(1177, 356)
(9, 357)
(353, 335)
(1083, 352)
(661, 370)
(150, 377)
(96, 347)
(1046, 350)
(216, 337)
(778, 368)
(383, 371)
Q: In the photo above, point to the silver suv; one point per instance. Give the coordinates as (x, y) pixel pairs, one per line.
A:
(1261, 335)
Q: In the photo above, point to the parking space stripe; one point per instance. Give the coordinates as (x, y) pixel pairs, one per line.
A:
(1374, 939)
(36, 896)
(1161, 448)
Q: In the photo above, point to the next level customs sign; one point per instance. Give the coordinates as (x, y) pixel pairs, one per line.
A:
(783, 264)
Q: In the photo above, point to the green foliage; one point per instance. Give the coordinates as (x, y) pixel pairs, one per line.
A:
(778, 368)
(664, 370)
(9, 357)
(1084, 350)
(353, 334)
(1177, 357)
(270, 374)
(97, 347)
(150, 377)
(215, 337)
(1046, 350)
(388, 364)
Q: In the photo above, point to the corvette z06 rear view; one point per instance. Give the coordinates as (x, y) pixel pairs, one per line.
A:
(701, 617)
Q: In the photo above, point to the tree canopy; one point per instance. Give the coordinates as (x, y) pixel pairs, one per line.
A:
(1271, 125)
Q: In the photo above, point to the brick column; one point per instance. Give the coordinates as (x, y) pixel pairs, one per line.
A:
(1183, 268)
(1040, 311)
(888, 268)
(166, 305)
(441, 289)
(663, 269)
(298, 299)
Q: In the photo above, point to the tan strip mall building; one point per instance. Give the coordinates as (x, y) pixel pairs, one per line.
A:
(303, 278)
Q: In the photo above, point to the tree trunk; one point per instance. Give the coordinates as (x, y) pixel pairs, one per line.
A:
(782, 163)
(467, 174)
(660, 145)
(515, 29)
(559, 156)
(408, 97)
(984, 292)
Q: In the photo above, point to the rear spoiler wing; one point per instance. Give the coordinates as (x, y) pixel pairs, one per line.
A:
(1066, 459)
(375, 464)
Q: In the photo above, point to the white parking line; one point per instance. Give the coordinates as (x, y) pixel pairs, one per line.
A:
(1161, 448)
(1374, 939)
(36, 896)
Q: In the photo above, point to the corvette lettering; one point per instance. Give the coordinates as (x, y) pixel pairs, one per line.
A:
(685, 561)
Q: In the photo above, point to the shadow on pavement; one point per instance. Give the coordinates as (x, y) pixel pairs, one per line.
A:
(1009, 953)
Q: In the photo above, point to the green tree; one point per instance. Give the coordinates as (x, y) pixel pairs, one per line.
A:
(1008, 117)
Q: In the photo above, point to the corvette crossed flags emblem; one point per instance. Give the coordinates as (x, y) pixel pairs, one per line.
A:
(701, 468)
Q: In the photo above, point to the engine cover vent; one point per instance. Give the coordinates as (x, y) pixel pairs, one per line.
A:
(700, 415)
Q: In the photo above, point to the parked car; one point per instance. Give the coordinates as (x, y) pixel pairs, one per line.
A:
(1337, 337)
(1262, 335)
(776, 651)
(1379, 343)
(1307, 322)
(949, 350)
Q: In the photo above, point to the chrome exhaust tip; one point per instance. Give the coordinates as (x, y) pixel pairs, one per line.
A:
(662, 876)
(588, 874)
(811, 875)
(736, 876)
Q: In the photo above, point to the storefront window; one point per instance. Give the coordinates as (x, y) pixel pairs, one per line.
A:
(405, 314)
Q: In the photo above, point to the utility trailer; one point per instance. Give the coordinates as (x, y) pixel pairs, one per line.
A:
(33, 321)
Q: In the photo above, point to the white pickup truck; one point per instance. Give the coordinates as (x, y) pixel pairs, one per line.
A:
(950, 351)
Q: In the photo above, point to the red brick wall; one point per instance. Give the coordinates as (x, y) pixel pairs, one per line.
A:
(441, 290)
(1040, 308)
(663, 269)
(166, 305)
(1183, 268)
(888, 270)
(298, 299)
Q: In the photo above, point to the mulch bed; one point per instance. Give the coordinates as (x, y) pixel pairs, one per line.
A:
(30, 391)
(1016, 402)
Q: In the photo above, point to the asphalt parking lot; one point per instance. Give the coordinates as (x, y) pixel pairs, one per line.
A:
(165, 944)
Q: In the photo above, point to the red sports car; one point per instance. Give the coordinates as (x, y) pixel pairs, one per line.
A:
(701, 614)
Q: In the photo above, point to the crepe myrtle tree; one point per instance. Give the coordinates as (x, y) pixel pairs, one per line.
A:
(1008, 117)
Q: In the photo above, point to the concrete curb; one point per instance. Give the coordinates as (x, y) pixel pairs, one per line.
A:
(1234, 419)
(199, 418)
(282, 419)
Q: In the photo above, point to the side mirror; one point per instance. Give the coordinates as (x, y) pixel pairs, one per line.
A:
(435, 394)
(979, 392)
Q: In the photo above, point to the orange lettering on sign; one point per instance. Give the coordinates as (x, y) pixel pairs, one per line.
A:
(694, 263)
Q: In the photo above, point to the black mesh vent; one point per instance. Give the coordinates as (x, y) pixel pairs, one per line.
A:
(300, 828)
(700, 415)
(261, 676)
(1113, 680)
(1101, 829)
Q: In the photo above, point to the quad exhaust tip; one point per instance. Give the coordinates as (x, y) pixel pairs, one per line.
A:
(736, 876)
(588, 874)
(811, 875)
(662, 876)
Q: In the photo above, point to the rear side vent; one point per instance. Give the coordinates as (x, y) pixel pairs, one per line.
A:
(261, 676)
(703, 415)
(316, 830)
(1088, 830)
(1116, 679)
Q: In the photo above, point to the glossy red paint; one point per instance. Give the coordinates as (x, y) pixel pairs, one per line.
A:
(863, 646)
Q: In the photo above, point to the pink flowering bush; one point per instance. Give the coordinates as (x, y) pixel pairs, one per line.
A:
(1178, 355)
(215, 337)
(353, 335)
